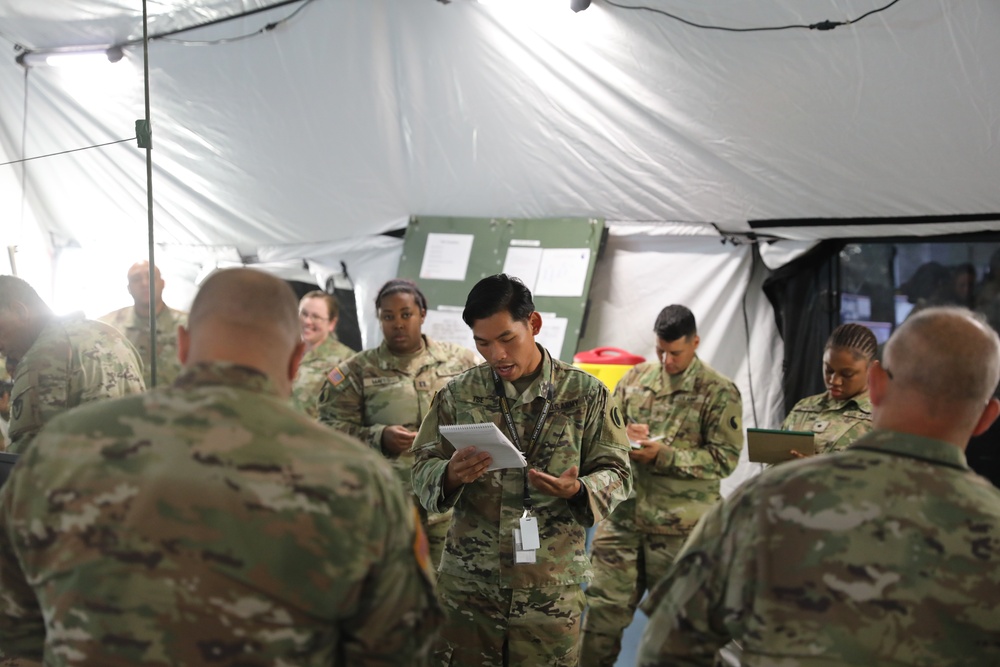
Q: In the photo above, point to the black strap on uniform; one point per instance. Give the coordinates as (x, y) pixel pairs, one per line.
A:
(512, 429)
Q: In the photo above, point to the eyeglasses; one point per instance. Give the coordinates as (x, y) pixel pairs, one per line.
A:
(312, 317)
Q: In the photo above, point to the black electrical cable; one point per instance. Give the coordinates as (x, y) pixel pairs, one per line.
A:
(72, 150)
(176, 31)
(166, 37)
(822, 25)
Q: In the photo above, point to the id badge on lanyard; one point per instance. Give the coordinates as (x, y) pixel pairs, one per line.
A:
(526, 536)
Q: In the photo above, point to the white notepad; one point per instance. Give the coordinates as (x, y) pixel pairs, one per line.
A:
(486, 437)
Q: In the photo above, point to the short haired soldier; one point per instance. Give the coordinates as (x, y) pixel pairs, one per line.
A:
(58, 362)
(506, 603)
(887, 553)
(685, 419)
(211, 522)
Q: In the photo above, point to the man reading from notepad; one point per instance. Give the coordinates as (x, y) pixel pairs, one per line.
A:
(514, 557)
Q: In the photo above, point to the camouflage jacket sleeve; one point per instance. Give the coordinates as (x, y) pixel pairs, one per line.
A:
(109, 369)
(72, 362)
(22, 627)
(431, 456)
(398, 614)
(721, 434)
(604, 469)
(695, 608)
(342, 405)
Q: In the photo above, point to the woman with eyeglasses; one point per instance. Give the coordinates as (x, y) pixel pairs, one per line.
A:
(381, 395)
(843, 413)
(318, 312)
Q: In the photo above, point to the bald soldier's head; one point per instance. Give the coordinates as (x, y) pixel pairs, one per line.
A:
(245, 317)
(939, 372)
(138, 287)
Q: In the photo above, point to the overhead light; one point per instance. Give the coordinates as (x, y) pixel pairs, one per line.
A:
(579, 5)
(69, 57)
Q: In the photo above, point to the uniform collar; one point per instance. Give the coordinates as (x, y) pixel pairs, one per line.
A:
(387, 360)
(913, 446)
(539, 387)
(224, 373)
(670, 384)
(164, 316)
(327, 345)
(862, 402)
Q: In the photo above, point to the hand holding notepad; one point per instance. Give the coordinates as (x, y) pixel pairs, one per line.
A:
(485, 437)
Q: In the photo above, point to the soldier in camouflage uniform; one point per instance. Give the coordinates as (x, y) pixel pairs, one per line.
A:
(887, 553)
(133, 321)
(318, 313)
(210, 522)
(843, 413)
(502, 608)
(686, 419)
(380, 396)
(59, 362)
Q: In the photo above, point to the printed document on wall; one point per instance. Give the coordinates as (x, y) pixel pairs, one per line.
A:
(523, 263)
(553, 333)
(563, 272)
(446, 256)
(446, 324)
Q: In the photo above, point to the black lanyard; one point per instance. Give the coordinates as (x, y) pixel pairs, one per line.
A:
(512, 429)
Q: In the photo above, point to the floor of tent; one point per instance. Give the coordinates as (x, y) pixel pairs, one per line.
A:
(630, 641)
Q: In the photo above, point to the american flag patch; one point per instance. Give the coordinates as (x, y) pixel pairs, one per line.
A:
(335, 377)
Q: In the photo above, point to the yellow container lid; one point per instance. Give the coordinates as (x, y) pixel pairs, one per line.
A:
(609, 374)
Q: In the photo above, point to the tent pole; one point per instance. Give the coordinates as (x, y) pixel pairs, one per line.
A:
(145, 138)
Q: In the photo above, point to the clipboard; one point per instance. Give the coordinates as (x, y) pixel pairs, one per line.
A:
(485, 437)
(772, 446)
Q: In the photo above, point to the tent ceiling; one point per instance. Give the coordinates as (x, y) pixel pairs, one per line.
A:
(355, 114)
(66, 23)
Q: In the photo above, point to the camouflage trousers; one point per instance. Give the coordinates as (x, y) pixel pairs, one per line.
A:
(626, 564)
(488, 626)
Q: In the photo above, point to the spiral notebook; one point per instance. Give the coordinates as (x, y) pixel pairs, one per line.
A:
(485, 437)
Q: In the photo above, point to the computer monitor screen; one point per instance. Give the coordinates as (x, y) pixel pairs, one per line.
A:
(902, 306)
(855, 307)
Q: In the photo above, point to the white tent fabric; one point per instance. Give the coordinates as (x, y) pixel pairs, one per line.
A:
(295, 147)
(355, 114)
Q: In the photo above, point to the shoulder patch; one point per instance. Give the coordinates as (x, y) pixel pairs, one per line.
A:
(335, 376)
(616, 417)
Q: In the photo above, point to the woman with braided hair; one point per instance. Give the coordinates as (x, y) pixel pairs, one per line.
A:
(843, 413)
